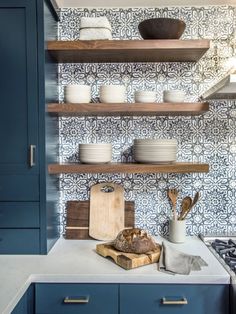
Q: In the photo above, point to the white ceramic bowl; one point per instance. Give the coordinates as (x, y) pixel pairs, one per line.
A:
(95, 153)
(144, 96)
(173, 96)
(77, 93)
(112, 99)
(112, 88)
(112, 94)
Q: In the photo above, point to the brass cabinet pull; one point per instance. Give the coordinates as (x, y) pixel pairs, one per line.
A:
(32, 155)
(182, 301)
(76, 300)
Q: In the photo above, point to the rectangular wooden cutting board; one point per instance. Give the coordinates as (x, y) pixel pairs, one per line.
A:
(106, 212)
(77, 219)
(128, 260)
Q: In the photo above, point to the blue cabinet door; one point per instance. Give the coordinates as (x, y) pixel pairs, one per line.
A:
(21, 307)
(26, 303)
(19, 164)
(174, 299)
(18, 87)
(23, 32)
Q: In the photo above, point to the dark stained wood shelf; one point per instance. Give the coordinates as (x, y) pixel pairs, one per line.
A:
(178, 167)
(90, 51)
(128, 109)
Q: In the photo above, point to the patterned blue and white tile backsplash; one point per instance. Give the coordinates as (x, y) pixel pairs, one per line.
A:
(210, 138)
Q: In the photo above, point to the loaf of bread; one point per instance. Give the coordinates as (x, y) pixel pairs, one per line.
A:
(134, 241)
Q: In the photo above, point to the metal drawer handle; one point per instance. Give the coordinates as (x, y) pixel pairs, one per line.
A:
(78, 300)
(182, 301)
(32, 155)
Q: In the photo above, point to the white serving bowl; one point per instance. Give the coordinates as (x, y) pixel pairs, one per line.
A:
(95, 153)
(173, 96)
(112, 94)
(112, 88)
(145, 92)
(76, 93)
(144, 96)
(97, 146)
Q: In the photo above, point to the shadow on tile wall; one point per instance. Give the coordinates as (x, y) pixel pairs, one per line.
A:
(209, 138)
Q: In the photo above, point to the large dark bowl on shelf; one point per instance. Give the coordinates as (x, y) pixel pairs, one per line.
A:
(161, 28)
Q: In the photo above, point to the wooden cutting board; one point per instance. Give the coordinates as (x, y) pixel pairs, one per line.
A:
(128, 260)
(106, 213)
(77, 219)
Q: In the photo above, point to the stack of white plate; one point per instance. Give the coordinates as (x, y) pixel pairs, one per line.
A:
(76, 93)
(112, 94)
(173, 95)
(155, 151)
(144, 96)
(95, 153)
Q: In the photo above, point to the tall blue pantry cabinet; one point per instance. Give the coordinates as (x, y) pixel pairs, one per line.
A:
(28, 80)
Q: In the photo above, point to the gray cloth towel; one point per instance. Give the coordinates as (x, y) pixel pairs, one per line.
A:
(175, 262)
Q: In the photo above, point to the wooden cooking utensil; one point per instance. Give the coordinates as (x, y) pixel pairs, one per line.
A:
(173, 195)
(185, 205)
(106, 215)
(195, 199)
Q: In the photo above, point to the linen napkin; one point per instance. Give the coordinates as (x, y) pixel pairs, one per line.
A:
(176, 262)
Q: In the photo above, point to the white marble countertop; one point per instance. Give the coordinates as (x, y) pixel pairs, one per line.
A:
(75, 261)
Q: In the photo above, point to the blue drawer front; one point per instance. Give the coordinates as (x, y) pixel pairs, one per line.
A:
(19, 215)
(19, 188)
(103, 299)
(202, 299)
(19, 241)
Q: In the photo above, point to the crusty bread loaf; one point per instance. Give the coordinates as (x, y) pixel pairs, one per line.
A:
(134, 241)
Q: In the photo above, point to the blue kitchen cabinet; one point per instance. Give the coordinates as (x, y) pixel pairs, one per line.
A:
(176, 299)
(19, 101)
(77, 298)
(28, 213)
(131, 298)
(26, 304)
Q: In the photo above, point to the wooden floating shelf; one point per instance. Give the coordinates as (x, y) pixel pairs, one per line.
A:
(128, 109)
(93, 51)
(178, 167)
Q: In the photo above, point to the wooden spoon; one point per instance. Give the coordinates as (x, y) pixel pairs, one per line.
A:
(185, 205)
(195, 199)
(173, 195)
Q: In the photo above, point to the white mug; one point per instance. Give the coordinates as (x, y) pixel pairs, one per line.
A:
(177, 231)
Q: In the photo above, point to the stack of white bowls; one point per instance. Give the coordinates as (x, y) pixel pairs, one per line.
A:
(76, 93)
(155, 151)
(100, 153)
(112, 94)
(144, 96)
(173, 95)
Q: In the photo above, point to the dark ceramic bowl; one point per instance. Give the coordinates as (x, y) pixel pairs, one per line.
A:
(161, 28)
